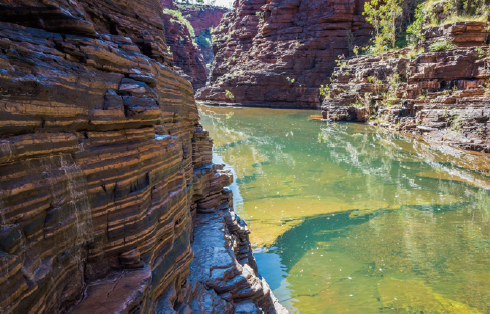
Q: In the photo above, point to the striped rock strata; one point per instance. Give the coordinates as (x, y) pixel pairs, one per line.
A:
(275, 53)
(461, 34)
(105, 172)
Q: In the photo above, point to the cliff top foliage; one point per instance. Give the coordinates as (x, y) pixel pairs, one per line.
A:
(204, 4)
(399, 23)
(199, 6)
(177, 15)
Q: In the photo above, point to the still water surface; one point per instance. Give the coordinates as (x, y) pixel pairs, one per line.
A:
(347, 218)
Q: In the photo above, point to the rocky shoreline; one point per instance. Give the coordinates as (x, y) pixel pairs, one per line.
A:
(443, 97)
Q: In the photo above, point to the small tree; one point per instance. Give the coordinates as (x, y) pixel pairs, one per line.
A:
(383, 15)
(373, 15)
(392, 11)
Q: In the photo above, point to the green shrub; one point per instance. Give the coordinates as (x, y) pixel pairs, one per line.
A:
(229, 95)
(480, 52)
(203, 41)
(422, 14)
(177, 15)
(325, 91)
(259, 14)
(341, 61)
(441, 46)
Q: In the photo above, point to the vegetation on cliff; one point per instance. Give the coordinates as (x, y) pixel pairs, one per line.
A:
(177, 15)
(398, 24)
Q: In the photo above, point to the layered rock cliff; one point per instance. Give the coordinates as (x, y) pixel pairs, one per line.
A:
(442, 96)
(106, 174)
(276, 53)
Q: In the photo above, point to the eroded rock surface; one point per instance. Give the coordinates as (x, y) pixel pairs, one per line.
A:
(103, 166)
(441, 96)
(277, 53)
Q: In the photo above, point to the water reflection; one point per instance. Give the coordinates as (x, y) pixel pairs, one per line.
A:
(346, 218)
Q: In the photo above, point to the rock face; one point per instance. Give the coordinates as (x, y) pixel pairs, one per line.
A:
(204, 18)
(105, 171)
(461, 34)
(441, 96)
(276, 53)
(168, 4)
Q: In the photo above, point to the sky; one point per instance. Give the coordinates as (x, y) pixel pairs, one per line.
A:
(224, 3)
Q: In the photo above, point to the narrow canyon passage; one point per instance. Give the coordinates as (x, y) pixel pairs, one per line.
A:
(347, 218)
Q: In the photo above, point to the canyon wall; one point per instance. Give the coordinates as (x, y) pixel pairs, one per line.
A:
(204, 18)
(106, 174)
(444, 96)
(185, 52)
(192, 52)
(276, 53)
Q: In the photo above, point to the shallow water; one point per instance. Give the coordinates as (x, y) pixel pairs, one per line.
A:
(347, 218)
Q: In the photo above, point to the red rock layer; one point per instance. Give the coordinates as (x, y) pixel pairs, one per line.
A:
(103, 164)
(442, 96)
(461, 34)
(276, 52)
(141, 21)
(168, 4)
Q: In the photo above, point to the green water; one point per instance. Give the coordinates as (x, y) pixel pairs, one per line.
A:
(347, 218)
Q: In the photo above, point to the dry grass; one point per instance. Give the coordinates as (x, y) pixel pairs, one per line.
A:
(464, 18)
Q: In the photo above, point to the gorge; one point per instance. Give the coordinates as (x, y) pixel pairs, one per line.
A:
(278, 53)
(188, 35)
